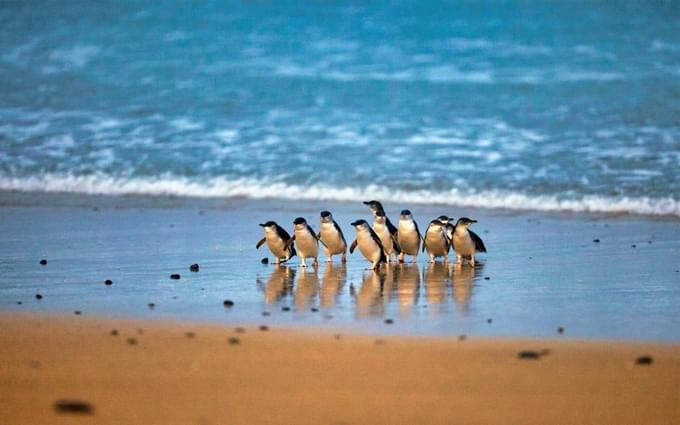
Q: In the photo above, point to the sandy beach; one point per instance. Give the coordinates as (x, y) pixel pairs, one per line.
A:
(169, 373)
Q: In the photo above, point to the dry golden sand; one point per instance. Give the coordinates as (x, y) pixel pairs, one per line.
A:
(289, 377)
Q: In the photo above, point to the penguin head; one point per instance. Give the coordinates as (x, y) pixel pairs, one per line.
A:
(444, 219)
(268, 226)
(360, 224)
(326, 217)
(435, 225)
(380, 217)
(300, 223)
(405, 215)
(374, 205)
(464, 221)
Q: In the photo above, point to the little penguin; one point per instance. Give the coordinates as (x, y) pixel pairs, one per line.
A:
(389, 240)
(369, 244)
(449, 228)
(376, 206)
(331, 236)
(466, 242)
(276, 238)
(306, 241)
(436, 243)
(408, 236)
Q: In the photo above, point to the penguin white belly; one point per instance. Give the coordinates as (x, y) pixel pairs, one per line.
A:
(409, 241)
(368, 247)
(307, 245)
(332, 239)
(436, 245)
(385, 237)
(463, 244)
(276, 244)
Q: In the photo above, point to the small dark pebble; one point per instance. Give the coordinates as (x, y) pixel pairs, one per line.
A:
(175, 276)
(19, 302)
(114, 332)
(108, 282)
(487, 278)
(77, 407)
(265, 260)
(489, 320)
(528, 355)
(560, 330)
(132, 341)
(38, 297)
(285, 308)
(189, 334)
(77, 312)
(193, 267)
(314, 309)
(43, 262)
(596, 240)
(389, 321)
(461, 337)
(234, 341)
(264, 328)
(228, 303)
(379, 341)
(266, 313)
(328, 316)
(531, 258)
(545, 352)
(644, 360)
(140, 331)
(240, 330)
(649, 241)
(633, 246)
(151, 305)
(337, 336)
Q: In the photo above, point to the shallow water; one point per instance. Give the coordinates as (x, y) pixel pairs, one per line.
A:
(527, 105)
(543, 272)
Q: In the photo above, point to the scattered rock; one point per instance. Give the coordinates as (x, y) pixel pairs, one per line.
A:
(38, 297)
(328, 316)
(114, 332)
(596, 240)
(489, 320)
(389, 321)
(633, 246)
(285, 308)
(151, 306)
(77, 312)
(266, 313)
(175, 276)
(461, 337)
(314, 310)
(19, 302)
(43, 262)
(234, 341)
(108, 282)
(487, 278)
(528, 355)
(649, 241)
(228, 303)
(77, 407)
(265, 260)
(644, 360)
(193, 267)
(189, 334)
(132, 341)
(264, 328)
(560, 330)
(239, 330)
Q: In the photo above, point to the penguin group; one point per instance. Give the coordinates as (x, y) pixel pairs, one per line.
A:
(380, 243)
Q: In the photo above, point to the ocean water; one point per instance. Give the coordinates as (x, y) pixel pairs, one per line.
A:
(508, 104)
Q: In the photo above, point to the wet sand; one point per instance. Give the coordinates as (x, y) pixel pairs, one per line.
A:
(54, 369)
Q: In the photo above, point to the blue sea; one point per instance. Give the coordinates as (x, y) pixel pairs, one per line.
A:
(550, 106)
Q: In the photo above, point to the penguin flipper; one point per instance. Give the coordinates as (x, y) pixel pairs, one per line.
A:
(289, 242)
(335, 223)
(393, 230)
(479, 244)
(395, 244)
(353, 247)
(259, 244)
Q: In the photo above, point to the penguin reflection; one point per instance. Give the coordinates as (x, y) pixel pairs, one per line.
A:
(462, 279)
(280, 284)
(334, 278)
(436, 277)
(407, 277)
(306, 288)
(370, 296)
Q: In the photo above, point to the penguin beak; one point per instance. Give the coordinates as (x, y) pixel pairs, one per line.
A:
(473, 221)
(367, 203)
(355, 223)
(261, 225)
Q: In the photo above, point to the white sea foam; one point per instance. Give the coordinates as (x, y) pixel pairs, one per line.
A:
(259, 189)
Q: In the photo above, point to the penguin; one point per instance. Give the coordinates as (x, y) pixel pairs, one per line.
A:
(331, 236)
(436, 243)
(466, 242)
(389, 240)
(408, 236)
(369, 244)
(276, 238)
(376, 206)
(306, 241)
(449, 228)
